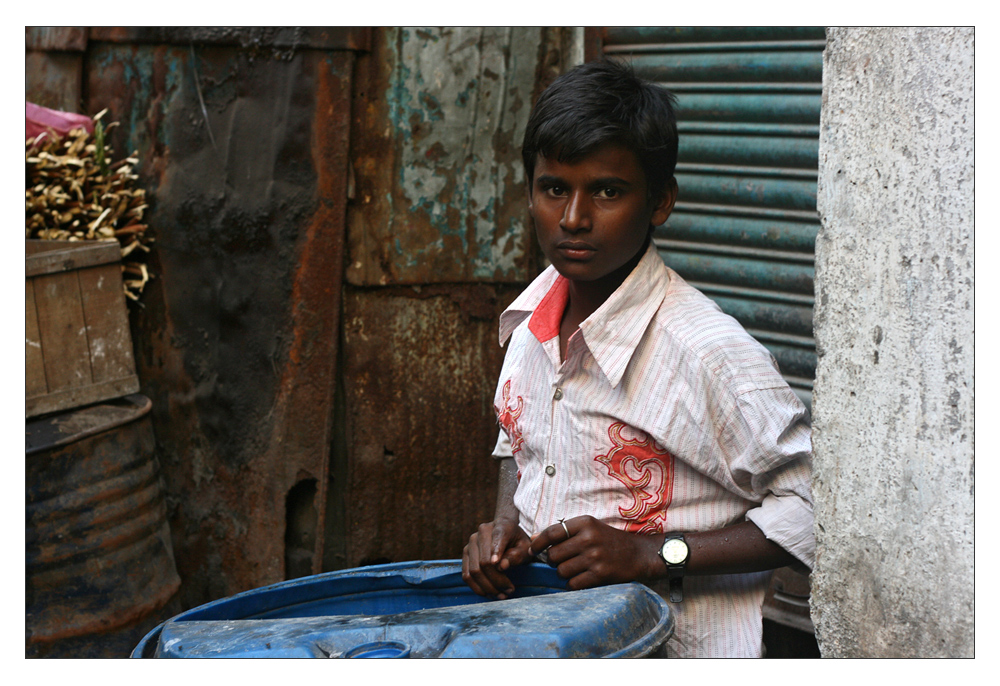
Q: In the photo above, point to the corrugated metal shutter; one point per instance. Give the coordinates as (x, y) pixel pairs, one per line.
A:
(744, 227)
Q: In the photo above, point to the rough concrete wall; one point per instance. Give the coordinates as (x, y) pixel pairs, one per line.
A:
(893, 404)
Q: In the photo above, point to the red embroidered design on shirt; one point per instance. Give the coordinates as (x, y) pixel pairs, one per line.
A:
(508, 419)
(647, 471)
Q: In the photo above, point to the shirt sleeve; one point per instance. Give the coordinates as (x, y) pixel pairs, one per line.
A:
(502, 448)
(776, 468)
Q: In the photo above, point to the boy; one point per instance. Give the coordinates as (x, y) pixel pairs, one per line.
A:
(645, 435)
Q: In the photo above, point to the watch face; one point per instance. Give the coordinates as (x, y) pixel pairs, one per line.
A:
(675, 551)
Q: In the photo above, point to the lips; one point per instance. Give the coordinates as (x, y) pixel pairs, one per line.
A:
(576, 250)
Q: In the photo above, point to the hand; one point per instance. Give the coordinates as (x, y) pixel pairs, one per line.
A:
(595, 554)
(493, 549)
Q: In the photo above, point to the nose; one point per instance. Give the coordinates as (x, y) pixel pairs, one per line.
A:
(576, 216)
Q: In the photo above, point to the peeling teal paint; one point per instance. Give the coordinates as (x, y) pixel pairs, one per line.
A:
(463, 97)
(399, 99)
(137, 65)
(452, 93)
(433, 107)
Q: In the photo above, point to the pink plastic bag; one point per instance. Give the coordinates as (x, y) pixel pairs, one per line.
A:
(38, 119)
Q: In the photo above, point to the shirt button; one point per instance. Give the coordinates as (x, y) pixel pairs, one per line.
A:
(550, 470)
(558, 394)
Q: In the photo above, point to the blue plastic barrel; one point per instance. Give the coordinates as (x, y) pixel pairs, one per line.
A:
(418, 609)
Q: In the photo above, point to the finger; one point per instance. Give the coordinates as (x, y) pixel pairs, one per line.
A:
(500, 539)
(498, 580)
(516, 554)
(481, 572)
(487, 539)
(587, 579)
(565, 528)
(489, 577)
(467, 575)
(557, 533)
(545, 538)
(568, 565)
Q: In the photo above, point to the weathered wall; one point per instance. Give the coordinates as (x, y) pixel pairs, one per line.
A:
(439, 242)
(242, 138)
(893, 429)
(439, 116)
(53, 61)
(420, 366)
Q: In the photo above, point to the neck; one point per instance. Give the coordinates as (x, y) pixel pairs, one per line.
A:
(586, 296)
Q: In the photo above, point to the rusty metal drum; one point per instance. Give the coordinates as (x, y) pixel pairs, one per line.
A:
(99, 562)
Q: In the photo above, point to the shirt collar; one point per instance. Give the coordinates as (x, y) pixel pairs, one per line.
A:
(613, 331)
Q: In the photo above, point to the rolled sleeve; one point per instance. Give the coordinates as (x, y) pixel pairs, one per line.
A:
(788, 521)
(502, 448)
(781, 470)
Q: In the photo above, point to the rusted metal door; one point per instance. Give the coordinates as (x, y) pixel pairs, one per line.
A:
(439, 242)
(242, 136)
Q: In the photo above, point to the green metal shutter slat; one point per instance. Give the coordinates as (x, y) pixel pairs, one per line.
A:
(708, 34)
(795, 320)
(743, 87)
(738, 271)
(638, 48)
(752, 128)
(744, 227)
(747, 190)
(769, 108)
(799, 237)
(768, 151)
(791, 66)
(794, 361)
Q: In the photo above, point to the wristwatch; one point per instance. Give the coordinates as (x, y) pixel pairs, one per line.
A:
(674, 552)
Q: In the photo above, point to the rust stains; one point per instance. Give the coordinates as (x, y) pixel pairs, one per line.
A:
(245, 160)
(441, 201)
(420, 369)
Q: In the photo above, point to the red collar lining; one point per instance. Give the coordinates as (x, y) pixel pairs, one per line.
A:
(547, 317)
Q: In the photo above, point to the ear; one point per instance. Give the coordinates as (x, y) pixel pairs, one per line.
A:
(665, 203)
(527, 192)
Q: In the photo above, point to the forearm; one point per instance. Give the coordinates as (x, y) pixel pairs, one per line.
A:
(506, 488)
(735, 549)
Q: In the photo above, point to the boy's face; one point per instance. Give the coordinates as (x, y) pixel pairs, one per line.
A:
(592, 216)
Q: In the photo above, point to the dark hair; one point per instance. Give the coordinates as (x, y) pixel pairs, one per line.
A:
(604, 102)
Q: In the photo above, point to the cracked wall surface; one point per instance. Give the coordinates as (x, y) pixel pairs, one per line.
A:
(894, 325)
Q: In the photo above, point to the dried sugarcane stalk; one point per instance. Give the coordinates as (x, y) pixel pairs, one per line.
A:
(73, 192)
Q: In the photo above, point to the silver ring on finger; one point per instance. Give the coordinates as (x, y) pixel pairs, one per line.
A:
(565, 528)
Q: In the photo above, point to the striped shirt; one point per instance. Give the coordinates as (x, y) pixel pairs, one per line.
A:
(665, 416)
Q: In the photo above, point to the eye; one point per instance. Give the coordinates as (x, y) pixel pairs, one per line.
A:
(555, 191)
(608, 193)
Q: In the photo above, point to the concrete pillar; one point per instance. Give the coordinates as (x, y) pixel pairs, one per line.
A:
(893, 404)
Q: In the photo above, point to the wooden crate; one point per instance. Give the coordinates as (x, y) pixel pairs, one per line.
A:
(77, 345)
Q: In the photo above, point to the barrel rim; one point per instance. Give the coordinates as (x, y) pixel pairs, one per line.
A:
(140, 407)
(425, 570)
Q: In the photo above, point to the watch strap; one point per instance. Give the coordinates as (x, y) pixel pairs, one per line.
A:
(675, 571)
(676, 588)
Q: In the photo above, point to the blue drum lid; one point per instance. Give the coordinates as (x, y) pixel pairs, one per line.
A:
(425, 606)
